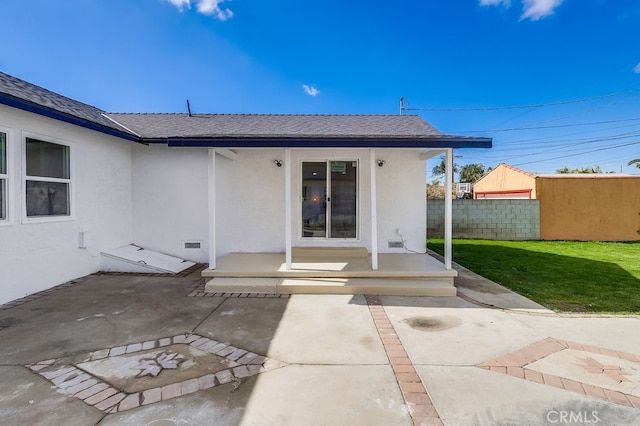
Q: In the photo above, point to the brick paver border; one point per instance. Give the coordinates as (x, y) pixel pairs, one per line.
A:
(197, 290)
(109, 399)
(413, 391)
(515, 364)
(37, 295)
(40, 294)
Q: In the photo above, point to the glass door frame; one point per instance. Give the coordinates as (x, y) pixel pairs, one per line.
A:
(328, 210)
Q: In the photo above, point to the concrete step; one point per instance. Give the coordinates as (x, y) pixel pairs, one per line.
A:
(328, 252)
(271, 265)
(389, 287)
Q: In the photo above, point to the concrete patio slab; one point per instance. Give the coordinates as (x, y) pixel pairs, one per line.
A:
(459, 334)
(322, 329)
(612, 332)
(327, 395)
(471, 396)
(125, 349)
(102, 311)
(221, 405)
(243, 322)
(26, 399)
(479, 289)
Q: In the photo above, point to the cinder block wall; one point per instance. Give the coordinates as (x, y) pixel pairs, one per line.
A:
(487, 219)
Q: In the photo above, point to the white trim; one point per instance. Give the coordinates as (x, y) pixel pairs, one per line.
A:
(24, 178)
(287, 208)
(6, 178)
(374, 210)
(212, 207)
(358, 159)
(430, 153)
(121, 125)
(227, 153)
(448, 207)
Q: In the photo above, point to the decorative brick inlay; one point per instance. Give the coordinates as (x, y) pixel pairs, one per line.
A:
(516, 364)
(413, 391)
(197, 290)
(107, 398)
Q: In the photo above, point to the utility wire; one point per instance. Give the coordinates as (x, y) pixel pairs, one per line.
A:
(553, 139)
(517, 129)
(548, 104)
(580, 153)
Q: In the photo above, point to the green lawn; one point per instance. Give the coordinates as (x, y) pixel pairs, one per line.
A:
(566, 276)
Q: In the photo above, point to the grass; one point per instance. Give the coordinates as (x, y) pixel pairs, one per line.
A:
(566, 276)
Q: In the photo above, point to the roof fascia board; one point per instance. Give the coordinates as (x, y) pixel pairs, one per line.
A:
(302, 142)
(60, 116)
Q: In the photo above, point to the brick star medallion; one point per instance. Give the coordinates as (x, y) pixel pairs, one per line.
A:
(126, 377)
(585, 369)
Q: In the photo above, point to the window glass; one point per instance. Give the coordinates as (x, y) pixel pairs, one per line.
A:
(3, 153)
(47, 179)
(3, 204)
(47, 159)
(314, 199)
(47, 198)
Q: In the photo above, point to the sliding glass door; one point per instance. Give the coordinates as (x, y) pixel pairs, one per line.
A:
(329, 199)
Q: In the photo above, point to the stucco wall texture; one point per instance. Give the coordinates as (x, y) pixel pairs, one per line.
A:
(587, 208)
(38, 253)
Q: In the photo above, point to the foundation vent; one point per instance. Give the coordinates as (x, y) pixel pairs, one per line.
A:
(396, 244)
(192, 244)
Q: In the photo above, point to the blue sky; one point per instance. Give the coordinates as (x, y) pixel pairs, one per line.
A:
(357, 57)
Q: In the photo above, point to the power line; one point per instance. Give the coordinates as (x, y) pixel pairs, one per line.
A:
(548, 104)
(564, 137)
(516, 129)
(580, 153)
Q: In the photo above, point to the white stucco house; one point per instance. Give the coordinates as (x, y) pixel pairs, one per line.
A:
(76, 181)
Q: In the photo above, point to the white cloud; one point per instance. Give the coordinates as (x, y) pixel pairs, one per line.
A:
(538, 9)
(206, 7)
(636, 69)
(212, 7)
(506, 3)
(310, 90)
(180, 4)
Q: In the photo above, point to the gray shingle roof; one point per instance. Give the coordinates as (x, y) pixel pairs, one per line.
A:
(43, 98)
(269, 126)
(240, 130)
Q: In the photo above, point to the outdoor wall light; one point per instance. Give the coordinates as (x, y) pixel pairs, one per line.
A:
(278, 163)
(381, 163)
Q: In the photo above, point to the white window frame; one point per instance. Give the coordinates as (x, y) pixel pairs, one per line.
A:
(25, 178)
(4, 177)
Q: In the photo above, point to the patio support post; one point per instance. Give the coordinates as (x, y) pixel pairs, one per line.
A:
(448, 207)
(212, 208)
(287, 207)
(374, 210)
